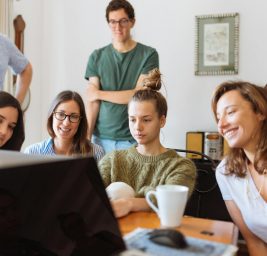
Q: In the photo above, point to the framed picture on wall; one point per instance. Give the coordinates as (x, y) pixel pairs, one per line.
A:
(216, 44)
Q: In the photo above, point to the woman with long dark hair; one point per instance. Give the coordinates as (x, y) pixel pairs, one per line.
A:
(11, 123)
(67, 127)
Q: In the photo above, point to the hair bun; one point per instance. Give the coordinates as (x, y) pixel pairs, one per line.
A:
(153, 80)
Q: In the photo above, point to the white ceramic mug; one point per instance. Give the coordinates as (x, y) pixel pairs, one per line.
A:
(171, 201)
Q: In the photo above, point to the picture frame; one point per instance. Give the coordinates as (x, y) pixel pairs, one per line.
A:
(217, 44)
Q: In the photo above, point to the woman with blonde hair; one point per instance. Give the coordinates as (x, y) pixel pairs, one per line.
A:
(240, 109)
(148, 164)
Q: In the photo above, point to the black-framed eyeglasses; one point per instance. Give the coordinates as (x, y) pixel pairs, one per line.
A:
(122, 22)
(73, 118)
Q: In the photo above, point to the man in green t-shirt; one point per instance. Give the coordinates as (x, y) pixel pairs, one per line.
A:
(115, 72)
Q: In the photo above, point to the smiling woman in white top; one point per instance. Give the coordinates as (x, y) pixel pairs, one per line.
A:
(67, 126)
(240, 109)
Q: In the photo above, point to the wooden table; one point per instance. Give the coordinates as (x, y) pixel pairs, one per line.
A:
(213, 230)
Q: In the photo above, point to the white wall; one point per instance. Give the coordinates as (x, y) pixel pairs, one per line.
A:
(31, 10)
(62, 33)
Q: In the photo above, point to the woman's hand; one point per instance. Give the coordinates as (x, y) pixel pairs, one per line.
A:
(124, 206)
(121, 207)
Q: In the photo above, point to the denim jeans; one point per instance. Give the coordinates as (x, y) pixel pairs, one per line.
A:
(110, 145)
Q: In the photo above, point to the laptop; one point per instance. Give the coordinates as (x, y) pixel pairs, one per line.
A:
(58, 206)
(55, 206)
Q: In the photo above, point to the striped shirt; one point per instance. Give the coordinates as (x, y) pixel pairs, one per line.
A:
(46, 148)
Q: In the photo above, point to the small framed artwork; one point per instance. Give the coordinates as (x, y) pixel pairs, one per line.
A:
(216, 46)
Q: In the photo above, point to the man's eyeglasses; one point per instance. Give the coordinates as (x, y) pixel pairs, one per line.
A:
(73, 118)
(122, 22)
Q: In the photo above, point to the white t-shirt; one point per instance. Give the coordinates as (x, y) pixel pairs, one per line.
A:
(247, 198)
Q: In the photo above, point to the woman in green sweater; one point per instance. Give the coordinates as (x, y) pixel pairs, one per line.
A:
(147, 164)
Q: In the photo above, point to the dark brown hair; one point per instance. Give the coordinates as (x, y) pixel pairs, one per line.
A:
(81, 144)
(18, 136)
(115, 5)
(236, 161)
(152, 85)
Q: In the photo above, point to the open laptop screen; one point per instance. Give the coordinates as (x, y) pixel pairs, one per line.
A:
(56, 208)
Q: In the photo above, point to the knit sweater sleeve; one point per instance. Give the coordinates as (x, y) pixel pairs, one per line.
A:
(117, 166)
(182, 173)
(105, 165)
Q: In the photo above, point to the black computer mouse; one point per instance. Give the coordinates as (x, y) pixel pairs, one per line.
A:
(168, 237)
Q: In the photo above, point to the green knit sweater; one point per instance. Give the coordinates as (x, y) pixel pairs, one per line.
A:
(144, 173)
